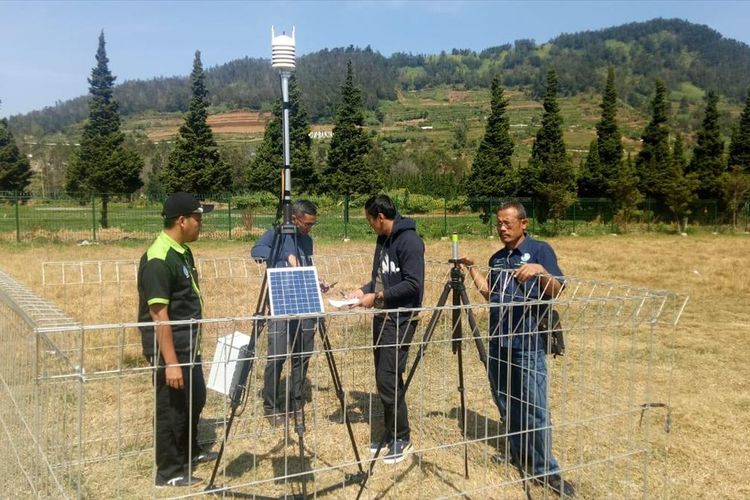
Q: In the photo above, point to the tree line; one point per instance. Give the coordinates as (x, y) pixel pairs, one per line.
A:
(356, 162)
(674, 51)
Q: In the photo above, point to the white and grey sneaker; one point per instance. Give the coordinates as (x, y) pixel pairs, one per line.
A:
(397, 451)
(178, 481)
(373, 447)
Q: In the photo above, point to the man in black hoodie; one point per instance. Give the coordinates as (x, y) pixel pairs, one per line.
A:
(397, 282)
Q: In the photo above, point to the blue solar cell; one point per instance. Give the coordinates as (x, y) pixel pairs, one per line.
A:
(294, 290)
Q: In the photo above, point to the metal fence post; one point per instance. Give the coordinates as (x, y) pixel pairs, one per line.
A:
(229, 212)
(716, 216)
(18, 218)
(93, 216)
(346, 217)
(445, 216)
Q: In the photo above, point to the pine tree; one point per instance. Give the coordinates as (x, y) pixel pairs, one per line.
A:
(591, 182)
(653, 159)
(708, 156)
(739, 148)
(265, 170)
(194, 164)
(681, 187)
(736, 187)
(492, 173)
(551, 172)
(624, 190)
(15, 171)
(608, 137)
(347, 171)
(102, 165)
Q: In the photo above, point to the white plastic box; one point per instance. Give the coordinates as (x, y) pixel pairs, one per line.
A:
(225, 362)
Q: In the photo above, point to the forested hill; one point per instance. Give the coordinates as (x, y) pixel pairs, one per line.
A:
(689, 58)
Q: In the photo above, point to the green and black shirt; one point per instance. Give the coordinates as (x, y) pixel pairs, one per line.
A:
(167, 275)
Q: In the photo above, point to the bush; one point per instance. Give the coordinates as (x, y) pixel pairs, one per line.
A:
(420, 204)
(322, 201)
(456, 205)
(253, 201)
(356, 201)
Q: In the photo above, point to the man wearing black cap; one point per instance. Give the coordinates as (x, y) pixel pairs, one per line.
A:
(168, 290)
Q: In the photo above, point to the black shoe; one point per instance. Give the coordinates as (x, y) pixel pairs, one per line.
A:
(179, 481)
(397, 451)
(558, 485)
(205, 456)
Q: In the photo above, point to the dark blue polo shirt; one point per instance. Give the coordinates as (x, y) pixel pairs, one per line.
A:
(515, 322)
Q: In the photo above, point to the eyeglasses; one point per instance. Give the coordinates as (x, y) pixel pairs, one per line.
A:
(308, 225)
(195, 215)
(507, 223)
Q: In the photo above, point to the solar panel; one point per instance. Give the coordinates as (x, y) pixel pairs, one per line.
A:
(294, 290)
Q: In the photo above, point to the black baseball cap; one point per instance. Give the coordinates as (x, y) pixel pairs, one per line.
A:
(183, 204)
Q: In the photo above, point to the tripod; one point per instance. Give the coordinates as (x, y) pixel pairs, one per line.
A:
(283, 59)
(456, 288)
(247, 357)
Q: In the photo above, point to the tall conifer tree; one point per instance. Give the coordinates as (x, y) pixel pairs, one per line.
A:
(102, 165)
(15, 171)
(591, 182)
(264, 173)
(492, 173)
(194, 164)
(552, 175)
(680, 192)
(624, 191)
(348, 171)
(739, 149)
(653, 159)
(708, 156)
(609, 139)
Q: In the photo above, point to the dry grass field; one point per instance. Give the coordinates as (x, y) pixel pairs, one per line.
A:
(706, 453)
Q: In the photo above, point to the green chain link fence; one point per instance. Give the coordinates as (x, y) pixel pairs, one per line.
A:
(24, 217)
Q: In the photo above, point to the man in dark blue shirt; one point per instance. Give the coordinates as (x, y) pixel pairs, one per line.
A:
(524, 276)
(283, 335)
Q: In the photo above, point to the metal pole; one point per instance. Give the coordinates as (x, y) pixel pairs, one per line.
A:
(346, 217)
(93, 216)
(18, 219)
(287, 193)
(229, 214)
(445, 216)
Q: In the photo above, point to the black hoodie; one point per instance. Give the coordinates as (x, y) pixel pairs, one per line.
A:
(400, 256)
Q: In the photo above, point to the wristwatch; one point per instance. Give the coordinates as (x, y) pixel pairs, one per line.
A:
(379, 300)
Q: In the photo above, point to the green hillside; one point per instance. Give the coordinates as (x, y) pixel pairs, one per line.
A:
(689, 58)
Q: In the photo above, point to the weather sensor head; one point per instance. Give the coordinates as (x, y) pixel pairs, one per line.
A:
(282, 51)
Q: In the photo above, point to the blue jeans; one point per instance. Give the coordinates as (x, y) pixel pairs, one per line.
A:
(518, 380)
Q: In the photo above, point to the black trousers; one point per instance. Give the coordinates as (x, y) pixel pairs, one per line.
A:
(177, 414)
(392, 335)
(295, 338)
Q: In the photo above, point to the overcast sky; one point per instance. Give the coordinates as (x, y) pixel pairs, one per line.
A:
(48, 48)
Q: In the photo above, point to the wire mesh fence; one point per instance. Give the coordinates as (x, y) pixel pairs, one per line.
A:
(81, 391)
(60, 218)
